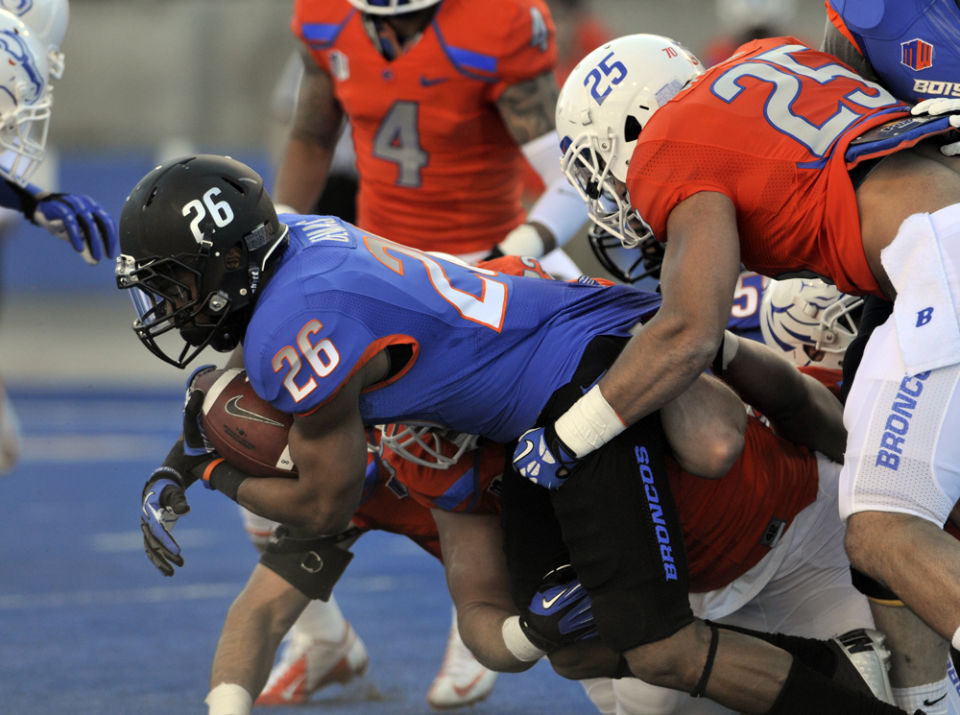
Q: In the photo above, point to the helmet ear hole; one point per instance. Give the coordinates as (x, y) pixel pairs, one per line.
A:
(631, 128)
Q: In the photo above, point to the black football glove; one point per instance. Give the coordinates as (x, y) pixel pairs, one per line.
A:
(560, 613)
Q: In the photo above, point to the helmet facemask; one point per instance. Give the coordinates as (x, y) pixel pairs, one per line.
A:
(23, 138)
(627, 265)
(426, 444)
(608, 205)
(206, 298)
(196, 236)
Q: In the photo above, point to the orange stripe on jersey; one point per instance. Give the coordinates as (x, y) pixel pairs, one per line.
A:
(372, 349)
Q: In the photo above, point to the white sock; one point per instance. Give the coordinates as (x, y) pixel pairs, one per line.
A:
(931, 698)
(321, 620)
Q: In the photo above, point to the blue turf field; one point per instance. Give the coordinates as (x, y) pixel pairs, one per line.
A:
(87, 625)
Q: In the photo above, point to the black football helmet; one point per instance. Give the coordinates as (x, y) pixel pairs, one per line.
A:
(196, 235)
(627, 265)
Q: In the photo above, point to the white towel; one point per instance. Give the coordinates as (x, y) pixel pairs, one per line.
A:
(922, 263)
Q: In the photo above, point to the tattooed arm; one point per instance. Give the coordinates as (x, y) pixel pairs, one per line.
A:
(527, 109)
(313, 136)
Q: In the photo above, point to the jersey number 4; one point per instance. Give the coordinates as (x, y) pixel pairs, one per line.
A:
(789, 77)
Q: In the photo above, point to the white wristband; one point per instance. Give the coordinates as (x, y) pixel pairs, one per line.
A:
(589, 424)
(524, 240)
(229, 699)
(955, 641)
(285, 209)
(517, 642)
(560, 209)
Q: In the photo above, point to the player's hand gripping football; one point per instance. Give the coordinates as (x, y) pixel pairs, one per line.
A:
(560, 613)
(164, 500)
(937, 106)
(543, 458)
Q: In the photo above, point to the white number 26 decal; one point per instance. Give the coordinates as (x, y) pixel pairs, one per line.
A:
(219, 211)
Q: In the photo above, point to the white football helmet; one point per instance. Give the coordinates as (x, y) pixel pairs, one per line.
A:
(604, 104)
(48, 19)
(800, 312)
(423, 443)
(25, 100)
(391, 7)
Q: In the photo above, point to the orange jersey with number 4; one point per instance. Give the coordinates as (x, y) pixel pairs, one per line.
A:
(438, 168)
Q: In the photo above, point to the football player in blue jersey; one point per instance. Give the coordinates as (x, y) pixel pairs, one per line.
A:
(30, 37)
(343, 328)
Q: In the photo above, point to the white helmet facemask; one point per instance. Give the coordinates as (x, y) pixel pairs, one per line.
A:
(427, 444)
(604, 104)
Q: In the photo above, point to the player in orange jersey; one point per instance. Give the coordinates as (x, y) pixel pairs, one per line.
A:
(786, 160)
(444, 101)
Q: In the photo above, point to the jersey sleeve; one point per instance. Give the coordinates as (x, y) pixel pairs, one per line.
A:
(524, 40)
(664, 173)
(300, 362)
(317, 25)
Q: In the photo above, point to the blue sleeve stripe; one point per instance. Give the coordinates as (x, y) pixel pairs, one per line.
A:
(460, 491)
(474, 65)
(473, 60)
(320, 35)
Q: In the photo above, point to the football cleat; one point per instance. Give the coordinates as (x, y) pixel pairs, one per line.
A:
(863, 662)
(309, 664)
(461, 680)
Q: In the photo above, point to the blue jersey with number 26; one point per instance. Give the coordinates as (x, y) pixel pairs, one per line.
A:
(486, 349)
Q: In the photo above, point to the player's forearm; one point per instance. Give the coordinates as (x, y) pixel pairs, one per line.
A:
(302, 173)
(481, 628)
(656, 366)
(289, 501)
(798, 406)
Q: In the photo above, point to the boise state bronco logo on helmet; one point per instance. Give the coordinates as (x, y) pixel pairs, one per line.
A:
(13, 44)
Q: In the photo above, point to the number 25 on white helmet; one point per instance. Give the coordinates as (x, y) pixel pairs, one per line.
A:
(603, 106)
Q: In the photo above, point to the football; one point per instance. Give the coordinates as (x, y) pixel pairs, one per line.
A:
(244, 429)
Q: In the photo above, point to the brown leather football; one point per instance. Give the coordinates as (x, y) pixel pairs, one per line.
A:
(244, 429)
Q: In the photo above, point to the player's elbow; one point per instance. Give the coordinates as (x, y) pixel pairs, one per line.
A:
(721, 451)
(322, 518)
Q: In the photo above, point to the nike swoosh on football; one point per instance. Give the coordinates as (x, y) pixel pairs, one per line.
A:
(430, 81)
(233, 408)
(462, 692)
(928, 703)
